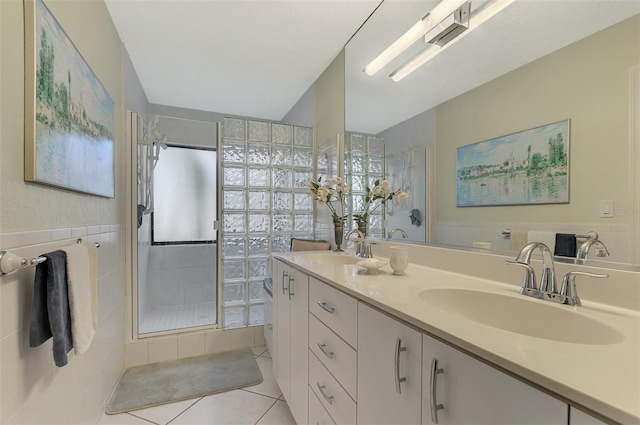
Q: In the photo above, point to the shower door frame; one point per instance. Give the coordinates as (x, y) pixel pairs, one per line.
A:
(133, 129)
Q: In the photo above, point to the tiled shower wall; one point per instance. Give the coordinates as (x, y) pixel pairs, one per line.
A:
(181, 275)
(34, 390)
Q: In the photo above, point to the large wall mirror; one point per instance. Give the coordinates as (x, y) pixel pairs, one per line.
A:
(532, 64)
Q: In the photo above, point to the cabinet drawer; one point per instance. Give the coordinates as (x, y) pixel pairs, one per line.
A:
(332, 396)
(317, 414)
(335, 309)
(335, 354)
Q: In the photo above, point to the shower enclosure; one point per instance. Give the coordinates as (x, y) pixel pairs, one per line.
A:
(176, 212)
(251, 174)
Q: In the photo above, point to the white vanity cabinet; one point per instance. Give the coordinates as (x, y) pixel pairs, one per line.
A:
(458, 389)
(389, 369)
(290, 357)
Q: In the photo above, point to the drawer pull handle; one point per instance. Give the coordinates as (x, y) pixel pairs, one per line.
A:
(396, 365)
(284, 274)
(326, 396)
(435, 371)
(269, 326)
(323, 306)
(324, 350)
(291, 281)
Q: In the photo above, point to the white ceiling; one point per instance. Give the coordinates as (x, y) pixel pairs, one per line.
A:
(253, 58)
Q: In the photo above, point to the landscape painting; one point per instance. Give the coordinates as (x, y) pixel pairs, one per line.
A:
(528, 167)
(69, 115)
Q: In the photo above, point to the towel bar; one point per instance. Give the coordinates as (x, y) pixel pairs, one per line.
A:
(9, 262)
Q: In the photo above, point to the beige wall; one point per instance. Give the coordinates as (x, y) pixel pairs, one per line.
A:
(587, 82)
(22, 205)
(35, 219)
(329, 101)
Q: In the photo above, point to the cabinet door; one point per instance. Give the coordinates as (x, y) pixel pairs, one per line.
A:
(389, 369)
(282, 355)
(299, 373)
(469, 391)
(578, 417)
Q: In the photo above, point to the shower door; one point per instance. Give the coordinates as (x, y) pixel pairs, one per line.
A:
(177, 240)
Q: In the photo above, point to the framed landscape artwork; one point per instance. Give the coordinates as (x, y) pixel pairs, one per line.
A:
(69, 115)
(523, 168)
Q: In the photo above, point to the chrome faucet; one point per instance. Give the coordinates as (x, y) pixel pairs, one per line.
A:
(402, 232)
(359, 242)
(548, 278)
(583, 251)
(547, 290)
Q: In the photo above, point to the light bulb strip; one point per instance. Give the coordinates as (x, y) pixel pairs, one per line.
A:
(431, 50)
(413, 34)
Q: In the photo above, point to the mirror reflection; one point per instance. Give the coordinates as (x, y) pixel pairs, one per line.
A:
(532, 64)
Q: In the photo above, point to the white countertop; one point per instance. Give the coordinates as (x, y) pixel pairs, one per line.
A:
(602, 378)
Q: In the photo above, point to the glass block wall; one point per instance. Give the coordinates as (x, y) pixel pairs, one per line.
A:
(265, 202)
(363, 165)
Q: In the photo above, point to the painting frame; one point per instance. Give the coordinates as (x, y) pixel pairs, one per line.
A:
(69, 115)
(527, 167)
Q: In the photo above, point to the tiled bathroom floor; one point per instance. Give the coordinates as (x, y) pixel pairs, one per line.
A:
(258, 405)
(178, 317)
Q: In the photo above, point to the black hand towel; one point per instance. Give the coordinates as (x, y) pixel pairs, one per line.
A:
(565, 245)
(50, 315)
(415, 217)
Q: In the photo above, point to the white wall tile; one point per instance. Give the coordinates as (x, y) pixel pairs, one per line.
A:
(61, 234)
(36, 237)
(10, 240)
(10, 302)
(136, 353)
(79, 232)
(241, 338)
(161, 350)
(259, 339)
(190, 345)
(217, 341)
(93, 230)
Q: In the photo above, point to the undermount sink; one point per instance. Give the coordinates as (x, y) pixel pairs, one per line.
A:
(331, 259)
(522, 315)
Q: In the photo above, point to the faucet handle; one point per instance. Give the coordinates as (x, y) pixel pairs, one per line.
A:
(568, 288)
(529, 282)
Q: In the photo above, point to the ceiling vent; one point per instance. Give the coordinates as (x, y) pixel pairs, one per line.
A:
(450, 27)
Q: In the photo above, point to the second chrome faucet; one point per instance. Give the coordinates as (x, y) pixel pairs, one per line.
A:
(548, 288)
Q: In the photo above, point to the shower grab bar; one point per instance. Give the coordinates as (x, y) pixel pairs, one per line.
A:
(9, 262)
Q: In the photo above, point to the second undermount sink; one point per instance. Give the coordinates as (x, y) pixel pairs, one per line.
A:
(338, 259)
(522, 315)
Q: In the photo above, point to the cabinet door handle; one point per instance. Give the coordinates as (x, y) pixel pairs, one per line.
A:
(322, 348)
(435, 371)
(291, 282)
(326, 396)
(396, 365)
(323, 306)
(284, 274)
(269, 326)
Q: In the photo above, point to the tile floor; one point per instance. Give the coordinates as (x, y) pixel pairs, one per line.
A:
(178, 317)
(261, 404)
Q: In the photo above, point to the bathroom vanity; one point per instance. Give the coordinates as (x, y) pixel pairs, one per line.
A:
(449, 347)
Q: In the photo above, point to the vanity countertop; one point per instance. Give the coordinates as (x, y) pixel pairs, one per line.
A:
(603, 378)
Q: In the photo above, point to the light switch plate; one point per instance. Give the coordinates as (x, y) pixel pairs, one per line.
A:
(606, 209)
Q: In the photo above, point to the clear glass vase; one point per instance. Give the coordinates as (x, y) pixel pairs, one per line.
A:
(338, 230)
(362, 226)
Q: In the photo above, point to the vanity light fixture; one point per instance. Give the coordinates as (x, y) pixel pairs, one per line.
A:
(433, 18)
(481, 16)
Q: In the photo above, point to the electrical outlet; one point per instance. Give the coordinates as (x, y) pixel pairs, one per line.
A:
(606, 209)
